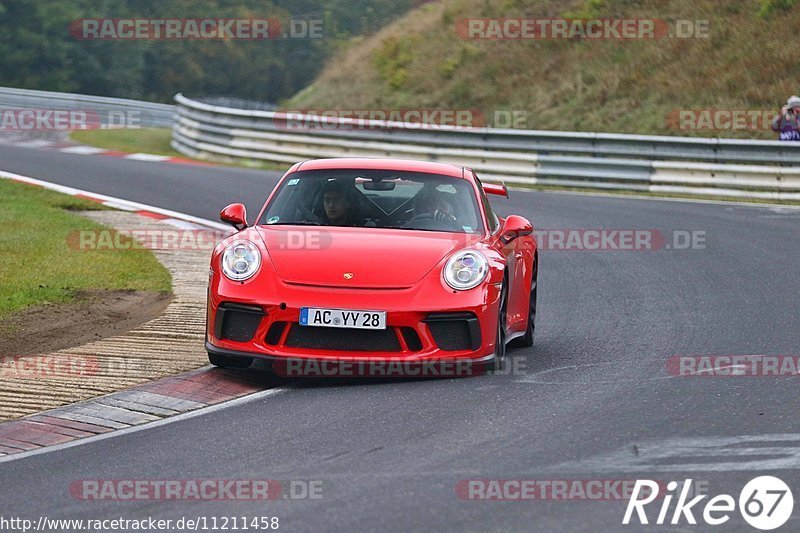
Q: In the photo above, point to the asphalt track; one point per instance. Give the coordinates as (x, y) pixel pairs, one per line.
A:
(595, 401)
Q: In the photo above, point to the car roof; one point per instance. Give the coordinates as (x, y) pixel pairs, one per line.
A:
(382, 164)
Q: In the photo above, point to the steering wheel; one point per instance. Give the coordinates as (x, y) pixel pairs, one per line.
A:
(438, 220)
(308, 214)
(437, 215)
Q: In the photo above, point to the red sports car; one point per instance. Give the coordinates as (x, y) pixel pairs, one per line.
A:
(373, 260)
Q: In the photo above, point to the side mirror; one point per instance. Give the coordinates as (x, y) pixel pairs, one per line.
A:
(235, 215)
(515, 226)
(493, 188)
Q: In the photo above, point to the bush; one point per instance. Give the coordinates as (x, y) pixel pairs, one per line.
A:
(392, 59)
(768, 7)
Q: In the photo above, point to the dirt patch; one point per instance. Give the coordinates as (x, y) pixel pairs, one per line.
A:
(92, 316)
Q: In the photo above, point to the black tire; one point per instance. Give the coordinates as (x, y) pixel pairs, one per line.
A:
(496, 364)
(526, 341)
(224, 361)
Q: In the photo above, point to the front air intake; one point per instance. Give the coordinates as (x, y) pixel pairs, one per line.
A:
(354, 340)
(237, 322)
(455, 331)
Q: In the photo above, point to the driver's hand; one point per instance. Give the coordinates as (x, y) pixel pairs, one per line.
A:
(443, 216)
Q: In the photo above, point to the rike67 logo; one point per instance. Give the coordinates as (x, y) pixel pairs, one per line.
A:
(765, 503)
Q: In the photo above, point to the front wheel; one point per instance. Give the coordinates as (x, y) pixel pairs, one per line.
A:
(225, 361)
(500, 336)
(526, 340)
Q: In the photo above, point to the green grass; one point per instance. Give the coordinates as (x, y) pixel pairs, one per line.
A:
(150, 141)
(37, 265)
(632, 86)
(132, 140)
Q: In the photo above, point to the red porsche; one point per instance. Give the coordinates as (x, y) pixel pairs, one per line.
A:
(373, 260)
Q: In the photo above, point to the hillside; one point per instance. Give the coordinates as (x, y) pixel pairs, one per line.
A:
(744, 64)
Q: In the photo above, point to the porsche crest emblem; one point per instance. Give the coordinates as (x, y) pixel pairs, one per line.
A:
(348, 275)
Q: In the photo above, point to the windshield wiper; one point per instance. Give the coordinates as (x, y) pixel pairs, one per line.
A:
(300, 223)
(419, 229)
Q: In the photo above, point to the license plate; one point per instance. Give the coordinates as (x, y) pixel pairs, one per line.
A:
(342, 318)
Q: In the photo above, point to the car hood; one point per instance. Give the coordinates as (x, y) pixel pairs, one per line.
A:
(358, 257)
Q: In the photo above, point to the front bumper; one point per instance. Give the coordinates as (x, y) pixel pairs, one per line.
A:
(312, 367)
(425, 323)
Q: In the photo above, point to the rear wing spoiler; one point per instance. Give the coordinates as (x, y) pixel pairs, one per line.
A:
(494, 188)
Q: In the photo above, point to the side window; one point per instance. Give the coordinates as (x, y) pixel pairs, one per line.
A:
(491, 218)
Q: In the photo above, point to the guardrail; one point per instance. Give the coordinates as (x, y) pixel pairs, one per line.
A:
(712, 167)
(111, 111)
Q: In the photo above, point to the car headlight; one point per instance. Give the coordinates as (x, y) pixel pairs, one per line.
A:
(240, 260)
(466, 270)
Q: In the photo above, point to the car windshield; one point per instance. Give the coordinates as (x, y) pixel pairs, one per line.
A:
(376, 198)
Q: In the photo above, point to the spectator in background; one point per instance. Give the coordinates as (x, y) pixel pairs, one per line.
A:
(787, 123)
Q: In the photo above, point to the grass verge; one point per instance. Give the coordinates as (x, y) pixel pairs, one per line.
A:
(133, 140)
(38, 266)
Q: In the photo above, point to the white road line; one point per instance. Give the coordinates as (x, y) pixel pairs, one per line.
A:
(780, 451)
(147, 157)
(116, 202)
(743, 368)
(148, 425)
(83, 150)
(535, 377)
(39, 143)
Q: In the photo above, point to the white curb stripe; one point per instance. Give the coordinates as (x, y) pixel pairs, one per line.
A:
(147, 157)
(83, 150)
(182, 224)
(121, 207)
(41, 143)
(116, 202)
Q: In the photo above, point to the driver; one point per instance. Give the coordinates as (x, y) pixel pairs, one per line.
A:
(430, 204)
(338, 206)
